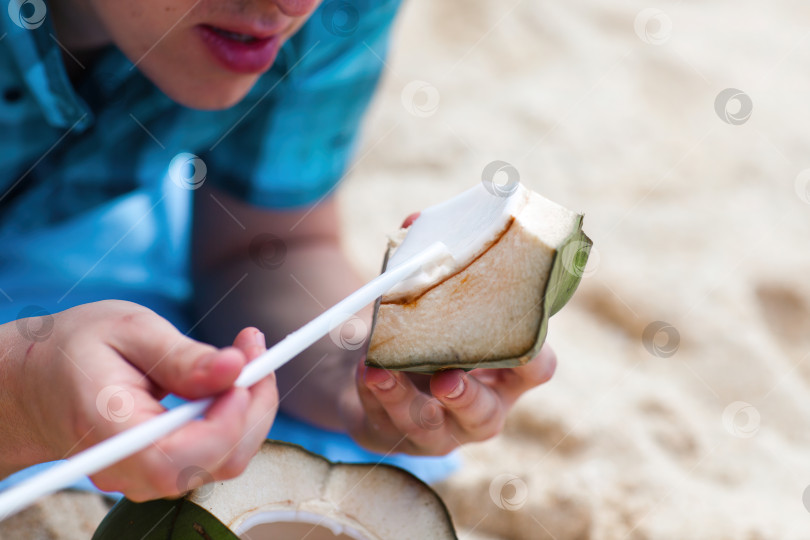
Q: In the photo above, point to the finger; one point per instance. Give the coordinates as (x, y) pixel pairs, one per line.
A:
(211, 441)
(156, 471)
(223, 430)
(373, 415)
(233, 430)
(538, 371)
(260, 416)
(372, 427)
(477, 410)
(251, 342)
(409, 220)
(261, 411)
(417, 416)
(510, 384)
(173, 361)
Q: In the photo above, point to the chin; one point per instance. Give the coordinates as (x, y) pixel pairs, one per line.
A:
(201, 89)
(209, 97)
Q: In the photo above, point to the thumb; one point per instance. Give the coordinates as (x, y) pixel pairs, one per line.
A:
(174, 362)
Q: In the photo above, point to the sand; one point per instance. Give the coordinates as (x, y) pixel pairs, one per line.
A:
(67, 515)
(700, 218)
(700, 222)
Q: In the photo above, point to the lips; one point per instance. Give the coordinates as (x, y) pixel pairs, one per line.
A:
(253, 51)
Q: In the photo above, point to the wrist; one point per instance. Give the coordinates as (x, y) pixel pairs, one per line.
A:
(20, 446)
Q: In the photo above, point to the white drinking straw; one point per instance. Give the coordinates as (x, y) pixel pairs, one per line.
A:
(126, 443)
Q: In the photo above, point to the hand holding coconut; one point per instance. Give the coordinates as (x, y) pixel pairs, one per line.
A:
(103, 370)
(432, 415)
(487, 307)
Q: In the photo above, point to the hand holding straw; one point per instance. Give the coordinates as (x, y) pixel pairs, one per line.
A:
(129, 442)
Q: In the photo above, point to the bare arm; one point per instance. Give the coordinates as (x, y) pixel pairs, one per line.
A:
(19, 447)
(278, 272)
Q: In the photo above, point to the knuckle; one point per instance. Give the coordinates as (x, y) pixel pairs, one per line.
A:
(158, 475)
(166, 487)
(232, 437)
(485, 427)
(221, 452)
(414, 433)
(490, 430)
(127, 321)
(111, 483)
(231, 469)
(489, 433)
(161, 481)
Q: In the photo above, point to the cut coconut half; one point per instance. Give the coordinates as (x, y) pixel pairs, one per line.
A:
(489, 305)
(287, 492)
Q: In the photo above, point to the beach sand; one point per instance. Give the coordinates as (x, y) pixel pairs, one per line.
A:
(700, 216)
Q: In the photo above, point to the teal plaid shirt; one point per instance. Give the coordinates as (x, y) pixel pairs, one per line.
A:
(286, 144)
(88, 208)
(91, 207)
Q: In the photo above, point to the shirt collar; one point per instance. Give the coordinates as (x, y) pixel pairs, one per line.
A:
(34, 48)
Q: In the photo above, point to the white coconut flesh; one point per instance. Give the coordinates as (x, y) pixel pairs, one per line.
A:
(489, 305)
(288, 490)
(467, 224)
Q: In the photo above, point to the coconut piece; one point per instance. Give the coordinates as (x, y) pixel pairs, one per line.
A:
(286, 492)
(489, 307)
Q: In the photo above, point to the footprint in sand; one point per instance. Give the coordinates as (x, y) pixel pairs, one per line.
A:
(787, 314)
(669, 430)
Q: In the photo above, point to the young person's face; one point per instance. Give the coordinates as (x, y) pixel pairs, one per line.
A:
(204, 54)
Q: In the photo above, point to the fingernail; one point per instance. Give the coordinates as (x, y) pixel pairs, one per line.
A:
(387, 384)
(258, 339)
(458, 389)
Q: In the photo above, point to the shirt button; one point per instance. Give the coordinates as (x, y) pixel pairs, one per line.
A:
(12, 94)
